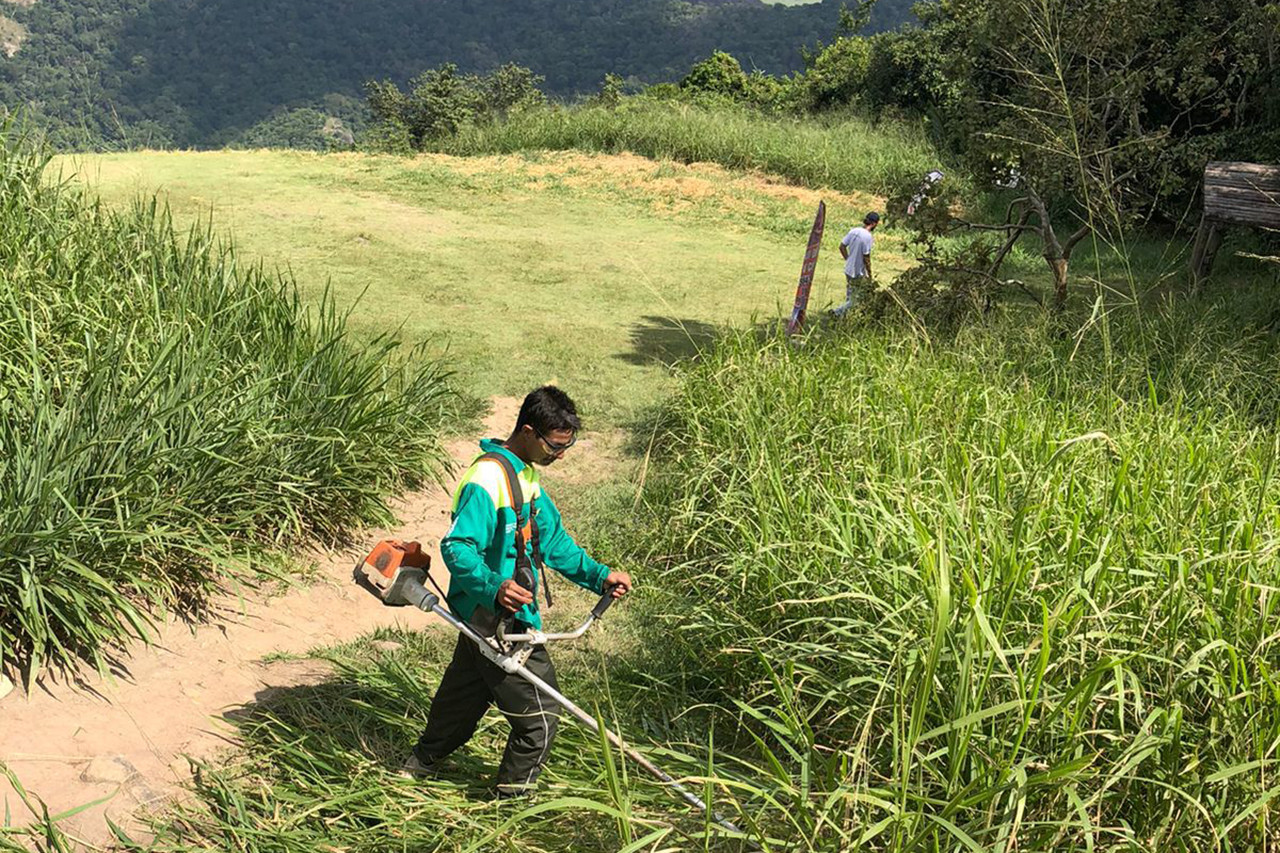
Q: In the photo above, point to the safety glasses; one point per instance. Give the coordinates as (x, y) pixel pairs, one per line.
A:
(553, 446)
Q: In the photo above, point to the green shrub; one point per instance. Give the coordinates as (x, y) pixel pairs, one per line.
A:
(718, 74)
(440, 101)
(837, 75)
(167, 412)
(389, 137)
(304, 128)
(663, 92)
(610, 94)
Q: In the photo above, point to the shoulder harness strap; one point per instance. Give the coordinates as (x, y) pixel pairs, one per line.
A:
(526, 532)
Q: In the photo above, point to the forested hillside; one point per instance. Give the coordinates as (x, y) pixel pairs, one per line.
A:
(199, 72)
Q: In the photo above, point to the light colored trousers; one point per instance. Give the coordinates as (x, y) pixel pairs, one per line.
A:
(853, 290)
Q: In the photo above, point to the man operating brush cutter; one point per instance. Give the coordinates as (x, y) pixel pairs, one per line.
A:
(506, 532)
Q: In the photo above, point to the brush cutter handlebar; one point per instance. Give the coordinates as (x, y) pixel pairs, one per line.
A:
(538, 638)
(605, 600)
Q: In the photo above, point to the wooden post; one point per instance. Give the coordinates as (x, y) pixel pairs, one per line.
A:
(1212, 243)
(1197, 254)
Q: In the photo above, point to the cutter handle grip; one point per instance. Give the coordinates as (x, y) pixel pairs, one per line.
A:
(603, 604)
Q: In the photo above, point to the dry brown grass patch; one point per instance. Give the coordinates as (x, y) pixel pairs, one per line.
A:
(672, 186)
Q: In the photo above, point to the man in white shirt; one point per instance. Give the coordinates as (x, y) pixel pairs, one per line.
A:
(855, 248)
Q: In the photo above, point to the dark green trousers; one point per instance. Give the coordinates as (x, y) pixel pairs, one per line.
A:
(470, 684)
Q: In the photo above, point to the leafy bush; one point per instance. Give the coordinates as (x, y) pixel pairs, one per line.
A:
(610, 94)
(955, 280)
(947, 288)
(440, 101)
(167, 413)
(837, 75)
(305, 128)
(718, 74)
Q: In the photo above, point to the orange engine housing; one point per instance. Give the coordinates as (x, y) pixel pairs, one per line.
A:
(390, 554)
(392, 569)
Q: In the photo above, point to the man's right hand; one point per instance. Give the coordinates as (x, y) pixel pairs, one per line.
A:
(512, 596)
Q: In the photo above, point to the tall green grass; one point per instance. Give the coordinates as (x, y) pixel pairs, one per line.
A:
(1014, 592)
(848, 154)
(317, 772)
(166, 412)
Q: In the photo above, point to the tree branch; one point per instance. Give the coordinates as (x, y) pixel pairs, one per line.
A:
(1008, 245)
(982, 226)
(1005, 282)
(1084, 231)
(1033, 198)
(1116, 181)
(1023, 287)
(1008, 214)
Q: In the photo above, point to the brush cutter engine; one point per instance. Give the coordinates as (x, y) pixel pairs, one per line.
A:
(396, 572)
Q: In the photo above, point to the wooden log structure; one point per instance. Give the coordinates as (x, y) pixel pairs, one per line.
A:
(1234, 194)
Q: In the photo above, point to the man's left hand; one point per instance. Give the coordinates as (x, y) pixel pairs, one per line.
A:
(620, 582)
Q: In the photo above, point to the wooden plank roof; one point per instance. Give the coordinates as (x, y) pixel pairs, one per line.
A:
(1242, 194)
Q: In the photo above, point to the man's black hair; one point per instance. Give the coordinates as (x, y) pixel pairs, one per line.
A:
(548, 408)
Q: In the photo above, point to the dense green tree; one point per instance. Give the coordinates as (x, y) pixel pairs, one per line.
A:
(837, 75)
(1095, 104)
(1106, 110)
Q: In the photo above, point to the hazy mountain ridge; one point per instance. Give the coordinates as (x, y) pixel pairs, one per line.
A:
(197, 72)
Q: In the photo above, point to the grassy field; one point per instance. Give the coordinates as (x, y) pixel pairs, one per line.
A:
(591, 271)
(594, 271)
(1012, 590)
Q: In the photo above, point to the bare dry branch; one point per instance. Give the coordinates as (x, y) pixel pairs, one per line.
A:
(983, 226)
(1083, 231)
(1004, 282)
(1008, 245)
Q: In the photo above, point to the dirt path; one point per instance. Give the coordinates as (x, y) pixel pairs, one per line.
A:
(124, 739)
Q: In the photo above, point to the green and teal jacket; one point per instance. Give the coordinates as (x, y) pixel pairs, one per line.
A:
(480, 549)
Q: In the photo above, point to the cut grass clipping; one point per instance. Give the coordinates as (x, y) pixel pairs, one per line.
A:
(165, 412)
(1004, 594)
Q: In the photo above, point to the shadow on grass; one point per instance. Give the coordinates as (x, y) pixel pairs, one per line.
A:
(338, 729)
(319, 762)
(666, 340)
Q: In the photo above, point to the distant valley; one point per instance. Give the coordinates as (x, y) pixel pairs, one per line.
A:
(197, 73)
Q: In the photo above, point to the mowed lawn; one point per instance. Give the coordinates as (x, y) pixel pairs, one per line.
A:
(592, 271)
